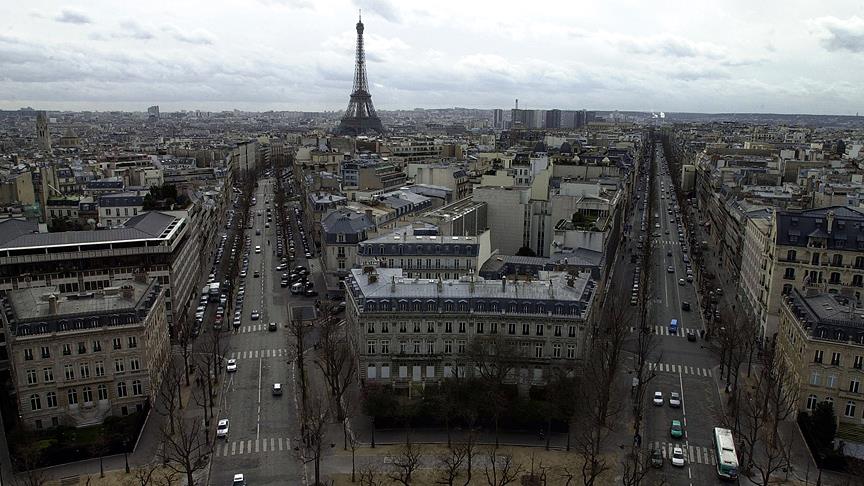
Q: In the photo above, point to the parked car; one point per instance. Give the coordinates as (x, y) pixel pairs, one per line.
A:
(232, 365)
(658, 398)
(674, 399)
(222, 428)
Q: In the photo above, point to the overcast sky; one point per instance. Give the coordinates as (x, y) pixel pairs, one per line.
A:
(706, 56)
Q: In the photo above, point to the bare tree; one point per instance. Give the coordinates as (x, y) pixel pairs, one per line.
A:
(500, 469)
(185, 451)
(335, 359)
(152, 475)
(370, 475)
(406, 463)
(315, 421)
(169, 393)
(772, 400)
(27, 459)
(470, 448)
(496, 359)
(450, 464)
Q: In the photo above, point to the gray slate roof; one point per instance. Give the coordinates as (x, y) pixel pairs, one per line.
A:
(847, 231)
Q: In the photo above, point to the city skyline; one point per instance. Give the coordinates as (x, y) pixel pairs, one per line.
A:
(676, 57)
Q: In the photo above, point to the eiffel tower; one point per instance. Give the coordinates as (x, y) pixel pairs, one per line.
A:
(360, 117)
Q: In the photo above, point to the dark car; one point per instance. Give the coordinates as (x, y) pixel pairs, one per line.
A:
(685, 305)
(691, 335)
(283, 283)
(272, 326)
(310, 293)
(656, 458)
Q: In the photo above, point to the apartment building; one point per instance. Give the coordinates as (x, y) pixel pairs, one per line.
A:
(817, 247)
(341, 231)
(160, 244)
(410, 331)
(423, 253)
(77, 358)
(115, 209)
(821, 338)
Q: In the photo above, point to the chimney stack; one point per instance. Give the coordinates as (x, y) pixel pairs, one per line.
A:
(127, 291)
(53, 304)
(503, 284)
(830, 220)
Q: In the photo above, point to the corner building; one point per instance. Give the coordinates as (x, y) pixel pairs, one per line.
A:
(77, 358)
(410, 331)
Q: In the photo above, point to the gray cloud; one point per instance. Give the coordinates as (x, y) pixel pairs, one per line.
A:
(383, 8)
(133, 30)
(196, 36)
(841, 34)
(667, 45)
(67, 16)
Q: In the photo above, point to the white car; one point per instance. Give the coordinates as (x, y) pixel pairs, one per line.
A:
(255, 315)
(222, 428)
(678, 457)
(239, 480)
(658, 398)
(674, 399)
(232, 365)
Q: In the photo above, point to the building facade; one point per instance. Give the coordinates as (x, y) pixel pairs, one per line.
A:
(410, 331)
(77, 358)
(821, 339)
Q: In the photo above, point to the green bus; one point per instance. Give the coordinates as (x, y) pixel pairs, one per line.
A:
(724, 453)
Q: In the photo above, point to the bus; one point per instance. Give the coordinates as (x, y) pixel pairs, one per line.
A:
(724, 451)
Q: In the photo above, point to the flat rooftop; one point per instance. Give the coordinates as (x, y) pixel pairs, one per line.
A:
(33, 304)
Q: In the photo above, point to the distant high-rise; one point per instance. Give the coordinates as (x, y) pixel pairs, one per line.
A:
(553, 119)
(153, 112)
(360, 117)
(43, 135)
(497, 118)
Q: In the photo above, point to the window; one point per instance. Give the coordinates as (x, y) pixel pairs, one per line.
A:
(35, 402)
(87, 394)
(134, 365)
(102, 390)
(97, 346)
(837, 260)
(28, 354)
(835, 359)
(460, 348)
(539, 329)
(100, 368)
(48, 374)
(538, 350)
(790, 255)
(511, 328)
(448, 346)
(370, 347)
(526, 329)
(857, 281)
(51, 399)
(403, 347)
(136, 388)
(370, 328)
(556, 350)
(493, 328)
(67, 349)
(416, 347)
(82, 347)
(571, 332)
(853, 386)
(571, 351)
(463, 327)
(72, 396)
(817, 358)
(116, 343)
(859, 262)
(479, 328)
(121, 389)
(448, 327)
(430, 347)
(119, 366)
(835, 278)
(46, 352)
(814, 260)
(416, 326)
(850, 409)
(430, 327)
(814, 378)
(385, 327)
(811, 402)
(558, 328)
(68, 372)
(831, 381)
(789, 274)
(85, 371)
(859, 362)
(403, 327)
(385, 346)
(31, 377)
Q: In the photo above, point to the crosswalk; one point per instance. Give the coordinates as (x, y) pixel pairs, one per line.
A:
(252, 328)
(678, 368)
(260, 353)
(664, 331)
(693, 454)
(252, 446)
(667, 242)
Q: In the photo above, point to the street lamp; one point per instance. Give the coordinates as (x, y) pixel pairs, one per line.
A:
(126, 453)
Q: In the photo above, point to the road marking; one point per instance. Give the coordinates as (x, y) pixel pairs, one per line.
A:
(256, 445)
(280, 444)
(249, 445)
(233, 448)
(240, 451)
(272, 443)
(263, 445)
(258, 419)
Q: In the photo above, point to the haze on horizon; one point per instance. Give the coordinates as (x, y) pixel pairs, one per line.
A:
(694, 56)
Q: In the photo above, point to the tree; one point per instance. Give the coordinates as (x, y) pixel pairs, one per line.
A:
(450, 464)
(821, 425)
(186, 450)
(27, 459)
(335, 359)
(152, 475)
(500, 469)
(406, 463)
(169, 394)
(526, 251)
(370, 475)
(315, 420)
(495, 358)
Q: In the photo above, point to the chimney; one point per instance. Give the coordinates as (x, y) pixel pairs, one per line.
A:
(503, 284)
(439, 284)
(393, 284)
(127, 291)
(373, 277)
(830, 219)
(471, 281)
(53, 304)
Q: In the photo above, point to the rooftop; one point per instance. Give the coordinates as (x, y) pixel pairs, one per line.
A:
(827, 316)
